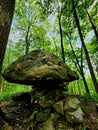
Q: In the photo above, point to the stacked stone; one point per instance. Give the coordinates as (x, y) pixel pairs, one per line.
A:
(70, 109)
(73, 110)
(54, 112)
(51, 110)
(50, 78)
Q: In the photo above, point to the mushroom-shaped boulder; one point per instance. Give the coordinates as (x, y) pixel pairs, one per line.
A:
(39, 68)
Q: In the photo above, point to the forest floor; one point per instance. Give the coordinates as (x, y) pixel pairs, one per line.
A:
(17, 114)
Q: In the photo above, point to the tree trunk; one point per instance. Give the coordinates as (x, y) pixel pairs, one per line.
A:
(6, 15)
(61, 37)
(80, 69)
(27, 39)
(93, 26)
(84, 47)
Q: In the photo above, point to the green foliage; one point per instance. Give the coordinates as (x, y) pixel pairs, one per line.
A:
(9, 89)
(78, 88)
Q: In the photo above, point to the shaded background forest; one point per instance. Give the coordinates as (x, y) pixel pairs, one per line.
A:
(68, 29)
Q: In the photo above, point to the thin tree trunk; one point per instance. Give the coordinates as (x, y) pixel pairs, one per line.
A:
(93, 26)
(61, 37)
(27, 40)
(6, 15)
(80, 69)
(84, 47)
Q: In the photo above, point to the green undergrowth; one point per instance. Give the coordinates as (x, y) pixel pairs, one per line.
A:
(93, 97)
(10, 89)
(78, 88)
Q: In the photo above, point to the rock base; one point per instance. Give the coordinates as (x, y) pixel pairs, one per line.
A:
(49, 111)
(52, 109)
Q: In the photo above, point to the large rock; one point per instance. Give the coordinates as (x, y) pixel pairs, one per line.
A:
(39, 68)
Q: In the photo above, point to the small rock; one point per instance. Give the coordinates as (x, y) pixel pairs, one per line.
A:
(45, 103)
(32, 116)
(42, 116)
(59, 107)
(75, 116)
(71, 103)
(48, 125)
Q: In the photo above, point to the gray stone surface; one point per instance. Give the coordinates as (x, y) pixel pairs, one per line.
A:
(74, 116)
(71, 103)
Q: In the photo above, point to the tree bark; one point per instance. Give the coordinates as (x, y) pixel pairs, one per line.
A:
(93, 26)
(61, 37)
(84, 47)
(6, 15)
(80, 69)
(27, 39)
